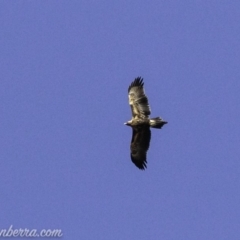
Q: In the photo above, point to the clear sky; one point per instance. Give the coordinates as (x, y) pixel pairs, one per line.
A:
(65, 157)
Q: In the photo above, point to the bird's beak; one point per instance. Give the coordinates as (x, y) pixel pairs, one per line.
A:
(125, 123)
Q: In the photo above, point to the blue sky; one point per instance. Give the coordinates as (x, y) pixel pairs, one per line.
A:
(65, 157)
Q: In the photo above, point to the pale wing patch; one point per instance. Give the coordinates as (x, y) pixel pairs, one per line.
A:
(138, 100)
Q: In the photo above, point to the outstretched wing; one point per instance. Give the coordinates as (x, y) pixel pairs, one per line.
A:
(137, 99)
(141, 137)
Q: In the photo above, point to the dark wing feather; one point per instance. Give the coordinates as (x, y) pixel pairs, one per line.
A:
(141, 137)
(138, 100)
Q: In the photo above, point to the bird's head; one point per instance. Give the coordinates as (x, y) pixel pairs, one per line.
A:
(128, 123)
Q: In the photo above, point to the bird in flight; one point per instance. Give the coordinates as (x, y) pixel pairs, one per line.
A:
(140, 123)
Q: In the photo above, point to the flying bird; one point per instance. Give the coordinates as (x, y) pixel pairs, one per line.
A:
(140, 123)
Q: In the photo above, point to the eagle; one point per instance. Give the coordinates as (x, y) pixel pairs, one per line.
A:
(140, 123)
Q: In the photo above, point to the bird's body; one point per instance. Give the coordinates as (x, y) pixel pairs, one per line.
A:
(140, 123)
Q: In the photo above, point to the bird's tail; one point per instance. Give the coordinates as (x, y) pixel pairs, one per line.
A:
(156, 122)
